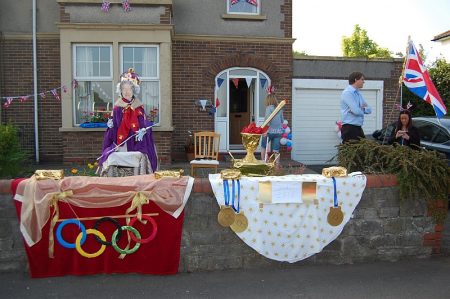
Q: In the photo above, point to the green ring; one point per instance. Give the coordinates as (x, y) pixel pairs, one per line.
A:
(124, 251)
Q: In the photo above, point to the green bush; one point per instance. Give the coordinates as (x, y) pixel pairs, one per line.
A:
(420, 173)
(12, 156)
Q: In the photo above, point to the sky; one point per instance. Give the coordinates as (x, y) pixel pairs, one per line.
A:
(319, 25)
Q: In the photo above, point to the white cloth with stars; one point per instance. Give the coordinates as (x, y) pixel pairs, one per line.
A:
(293, 231)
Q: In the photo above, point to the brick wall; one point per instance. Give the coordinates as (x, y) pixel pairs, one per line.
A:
(17, 80)
(195, 65)
(391, 94)
(286, 25)
(383, 228)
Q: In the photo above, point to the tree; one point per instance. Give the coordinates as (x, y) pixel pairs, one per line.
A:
(299, 53)
(360, 45)
(440, 75)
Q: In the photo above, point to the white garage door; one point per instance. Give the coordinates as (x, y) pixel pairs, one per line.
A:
(315, 110)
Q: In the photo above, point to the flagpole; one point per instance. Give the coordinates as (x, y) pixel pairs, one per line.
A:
(403, 70)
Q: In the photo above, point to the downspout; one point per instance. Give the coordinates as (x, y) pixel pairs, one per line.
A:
(36, 125)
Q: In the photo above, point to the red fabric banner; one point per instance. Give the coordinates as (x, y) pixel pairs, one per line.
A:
(160, 256)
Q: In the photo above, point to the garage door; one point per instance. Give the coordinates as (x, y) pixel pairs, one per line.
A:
(315, 110)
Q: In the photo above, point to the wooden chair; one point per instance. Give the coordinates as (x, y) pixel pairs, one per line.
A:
(206, 151)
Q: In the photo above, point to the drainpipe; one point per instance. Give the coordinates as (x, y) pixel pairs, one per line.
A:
(36, 126)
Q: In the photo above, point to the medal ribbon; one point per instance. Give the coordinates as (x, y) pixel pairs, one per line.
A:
(335, 193)
(226, 192)
(238, 197)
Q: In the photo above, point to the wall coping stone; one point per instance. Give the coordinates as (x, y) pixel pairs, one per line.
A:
(202, 185)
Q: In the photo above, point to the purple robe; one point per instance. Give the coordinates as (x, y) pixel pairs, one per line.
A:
(146, 146)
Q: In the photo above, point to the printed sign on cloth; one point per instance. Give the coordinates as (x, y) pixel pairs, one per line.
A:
(292, 231)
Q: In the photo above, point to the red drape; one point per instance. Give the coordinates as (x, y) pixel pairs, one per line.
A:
(160, 256)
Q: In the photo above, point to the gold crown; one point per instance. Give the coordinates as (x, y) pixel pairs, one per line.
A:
(130, 76)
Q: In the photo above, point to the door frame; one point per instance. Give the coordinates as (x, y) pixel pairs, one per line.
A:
(222, 123)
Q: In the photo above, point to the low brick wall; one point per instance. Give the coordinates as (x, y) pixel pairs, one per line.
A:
(382, 228)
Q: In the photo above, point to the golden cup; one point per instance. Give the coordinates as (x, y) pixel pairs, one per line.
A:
(250, 142)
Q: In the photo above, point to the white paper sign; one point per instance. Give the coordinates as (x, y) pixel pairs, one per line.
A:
(286, 192)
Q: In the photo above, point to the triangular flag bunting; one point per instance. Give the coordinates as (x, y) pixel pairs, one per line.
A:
(203, 103)
(55, 93)
(263, 82)
(249, 81)
(217, 102)
(42, 94)
(235, 82)
(219, 82)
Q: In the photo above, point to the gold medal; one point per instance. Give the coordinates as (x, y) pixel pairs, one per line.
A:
(335, 216)
(226, 216)
(240, 223)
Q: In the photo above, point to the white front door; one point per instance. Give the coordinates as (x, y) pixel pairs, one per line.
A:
(239, 98)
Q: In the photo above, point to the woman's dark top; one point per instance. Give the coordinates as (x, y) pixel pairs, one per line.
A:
(414, 138)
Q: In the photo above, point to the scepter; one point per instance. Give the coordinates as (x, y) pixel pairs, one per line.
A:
(274, 112)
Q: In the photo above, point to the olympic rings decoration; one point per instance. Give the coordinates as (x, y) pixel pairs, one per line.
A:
(60, 238)
(152, 235)
(84, 253)
(100, 237)
(126, 251)
(116, 224)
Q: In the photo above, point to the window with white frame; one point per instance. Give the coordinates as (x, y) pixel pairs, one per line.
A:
(251, 7)
(93, 82)
(144, 59)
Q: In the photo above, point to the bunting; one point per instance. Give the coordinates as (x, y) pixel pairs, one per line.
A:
(263, 82)
(235, 82)
(219, 82)
(24, 98)
(249, 81)
(55, 93)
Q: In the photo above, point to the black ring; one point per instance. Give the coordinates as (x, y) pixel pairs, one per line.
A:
(113, 221)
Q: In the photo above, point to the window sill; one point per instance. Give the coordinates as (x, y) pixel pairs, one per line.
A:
(244, 17)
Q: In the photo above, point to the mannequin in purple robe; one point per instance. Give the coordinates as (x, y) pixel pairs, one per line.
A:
(128, 118)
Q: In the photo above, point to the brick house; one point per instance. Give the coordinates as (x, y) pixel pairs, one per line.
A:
(184, 51)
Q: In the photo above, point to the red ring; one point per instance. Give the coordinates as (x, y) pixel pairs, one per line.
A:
(154, 231)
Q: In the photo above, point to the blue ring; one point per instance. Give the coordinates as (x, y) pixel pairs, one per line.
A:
(64, 223)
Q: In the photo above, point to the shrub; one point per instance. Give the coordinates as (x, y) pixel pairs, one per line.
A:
(420, 173)
(12, 157)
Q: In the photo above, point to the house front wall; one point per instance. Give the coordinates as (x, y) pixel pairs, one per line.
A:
(217, 41)
(199, 41)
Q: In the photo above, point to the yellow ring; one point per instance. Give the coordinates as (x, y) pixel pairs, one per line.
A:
(84, 253)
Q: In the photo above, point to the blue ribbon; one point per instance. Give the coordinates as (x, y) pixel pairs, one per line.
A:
(335, 193)
(226, 192)
(239, 194)
(232, 201)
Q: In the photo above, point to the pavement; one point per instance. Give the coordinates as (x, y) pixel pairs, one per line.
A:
(417, 278)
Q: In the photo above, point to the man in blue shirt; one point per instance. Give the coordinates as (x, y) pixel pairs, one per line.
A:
(353, 108)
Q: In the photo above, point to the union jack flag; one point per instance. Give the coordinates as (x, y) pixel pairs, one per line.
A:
(417, 79)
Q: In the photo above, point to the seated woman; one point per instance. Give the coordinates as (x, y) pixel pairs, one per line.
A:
(406, 133)
(128, 118)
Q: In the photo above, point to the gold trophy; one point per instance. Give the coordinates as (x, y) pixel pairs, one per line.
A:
(250, 142)
(250, 165)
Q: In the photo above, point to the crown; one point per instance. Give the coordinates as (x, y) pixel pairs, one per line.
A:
(130, 76)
